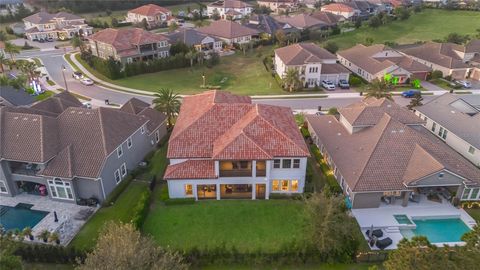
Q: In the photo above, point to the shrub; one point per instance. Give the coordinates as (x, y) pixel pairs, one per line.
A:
(332, 184)
(436, 74)
(281, 196)
(164, 193)
(180, 201)
(305, 132)
(112, 197)
(355, 81)
(332, 111)
(48, 253)
(140, 210)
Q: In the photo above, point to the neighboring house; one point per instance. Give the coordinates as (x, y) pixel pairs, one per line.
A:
(14, 97)
(18, 28)
(193, 38)
(381, 153)
(342, 9)
(230, 32)
(376, 61)
(61, 25)
(456, 121)
(11, 6)
(268, 25)
(449, 58)
(278, 6)
(328, 18)
(59, 149)
(313, 64)
(366, 8)
(302, 21)
(2, 48)
(128, 45)
(154, 15)
(225, 147)
(231, 9)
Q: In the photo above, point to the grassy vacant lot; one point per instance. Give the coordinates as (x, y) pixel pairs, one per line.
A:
(247, 225)
(120, 211)
(428, 25)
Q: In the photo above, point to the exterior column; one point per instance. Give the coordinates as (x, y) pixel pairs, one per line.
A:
(268, 167)
(195, 194)
(254, 191)
(217, 168)
(254, 168)
(406, 195)
(218, 191)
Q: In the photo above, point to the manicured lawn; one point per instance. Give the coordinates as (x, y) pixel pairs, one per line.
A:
(47, 266)
(44, 95)
(299, 267)
(120, 211)
(429, 24)
(475, 213)
(247, 225)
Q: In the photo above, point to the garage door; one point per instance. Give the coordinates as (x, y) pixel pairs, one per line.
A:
(476, 74)
(458, 74)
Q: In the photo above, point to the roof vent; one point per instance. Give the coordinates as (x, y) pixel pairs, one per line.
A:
(338, 134)
(25, 118)
(401, 130)
(389, 105)
(72, 111)
(87, 113)
(394, 131)
(16, 117)
(329, 121)
(453, 111)
(80, 112)
(34, 119)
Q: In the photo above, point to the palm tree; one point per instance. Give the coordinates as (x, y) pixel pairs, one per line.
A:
(190, 56)
(379, 89)
(294, 37)
(200, 57)
(416, 101)
(77, 42)
(168, 102)
(291, 79)
(28, 68)
(3, 60)
(12, 50)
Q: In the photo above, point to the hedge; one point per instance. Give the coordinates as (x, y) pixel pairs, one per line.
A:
(48, 253)
(332, 183)
(140, 210)
(179, 201)
(281, 196)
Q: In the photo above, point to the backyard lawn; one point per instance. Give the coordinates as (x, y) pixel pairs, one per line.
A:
(474, 213)
(247, 225)
(430, 24)
(120, 211)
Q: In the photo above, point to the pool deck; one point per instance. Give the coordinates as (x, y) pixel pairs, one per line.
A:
(383, 217)
(66, 226)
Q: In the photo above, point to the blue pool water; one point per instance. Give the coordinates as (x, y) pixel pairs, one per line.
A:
(19, 217)
(441, 230)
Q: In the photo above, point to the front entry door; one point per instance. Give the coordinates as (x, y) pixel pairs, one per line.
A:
(260, 191)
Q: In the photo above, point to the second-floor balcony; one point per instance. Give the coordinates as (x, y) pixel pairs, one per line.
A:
(241, 168)
(24, 168)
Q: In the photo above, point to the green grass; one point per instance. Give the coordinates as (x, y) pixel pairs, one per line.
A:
(120, 211)
(287, 267)
(430, 24)
(47, 266)
(441, 83)
(245, 224)
(44, 95)
(69, 60)
(474, 213)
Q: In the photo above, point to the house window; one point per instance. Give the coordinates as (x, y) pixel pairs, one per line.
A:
(284, 185)
(120, 151)
(276, 163)
(123, 169)
(60, 189)
(434, 126)
(442, 133)
(445, 134)
(3, 187)
(294, 185)
(286, 163)
(142, 129)
(474, 194)
(129, 60)
(471, 150)
(296, 163)
(440, 175)
(129, 142)
(466, 193)
(188, 190)
(157, 136)
(275, 185)
(116, 174)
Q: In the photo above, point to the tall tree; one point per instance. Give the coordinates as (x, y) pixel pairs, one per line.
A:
(3, 60)
(292, 80)
(190, 56)
(9, 261)
(168, 102)
(77, 42)
(379, 89)
(29, 69)
(12, 50)
(121, 247)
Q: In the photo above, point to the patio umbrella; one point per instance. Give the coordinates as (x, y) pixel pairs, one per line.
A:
(55, 215)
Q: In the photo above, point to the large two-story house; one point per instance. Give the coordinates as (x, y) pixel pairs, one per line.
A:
(230, 32)
(154, 15)
(229, 9)
(198, 40)
(382, 154)
(314, 64)
(59, 149)
(129, 45)
(61, 25)
(455, 120)
(225, 147)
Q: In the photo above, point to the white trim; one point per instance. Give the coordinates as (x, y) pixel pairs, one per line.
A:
(119, 153)
(129, 141)
(6, 187)
(115, 176)
(123, 168)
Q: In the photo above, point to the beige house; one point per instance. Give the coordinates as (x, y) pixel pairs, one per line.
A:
(230, 32)
(233, 9)
(341, 9)
(279, 5)
(382, 154)
(313, 64)
(61, 25)
(128, 45)
(193, 38)
(377, 61)
(153, 14)
(456, 121)
(451, 59)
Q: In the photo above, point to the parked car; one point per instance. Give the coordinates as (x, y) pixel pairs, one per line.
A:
(87, 105)
(329, 85)
(77, 75)
(41, 40)
(465, 84)
(86, 81)
(49, 39)
(410, 93)
(343, 84)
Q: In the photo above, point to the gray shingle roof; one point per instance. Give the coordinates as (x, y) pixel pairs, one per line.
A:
(43, 17)
(188, 36)
(303, 53)
(227, 29)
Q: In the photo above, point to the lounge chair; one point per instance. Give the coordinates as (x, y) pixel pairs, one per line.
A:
(383, 243)
(377, 233)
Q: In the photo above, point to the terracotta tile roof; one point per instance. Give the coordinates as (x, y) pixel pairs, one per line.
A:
(301, 21)
(150, 10)
(191, 169)
(438, 53)
(303, 53)
(369, 111)
(385, 156)
(229, 4)
(337, 7)
(227, 29)
(219, 125)
(126, 39)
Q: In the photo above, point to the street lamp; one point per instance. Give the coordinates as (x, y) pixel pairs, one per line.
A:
(64, 79)
(203, 77)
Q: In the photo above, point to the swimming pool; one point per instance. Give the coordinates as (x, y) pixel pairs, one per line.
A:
(439, 230)
(20, 216)
(402, 219)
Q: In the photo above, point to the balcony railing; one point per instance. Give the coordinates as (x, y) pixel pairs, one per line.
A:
(235, 173)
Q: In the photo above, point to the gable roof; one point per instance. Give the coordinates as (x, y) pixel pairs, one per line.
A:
(150, 10)
(301, 21)
(219, 125)
(43, 17)
(229, 4)
(327, 17)
(303, 53)
(189, 36)
(227, 29)
(337, 7)
(386, 156)
(438, 53)
(141, 108)
(457, 115)
(126, 38)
